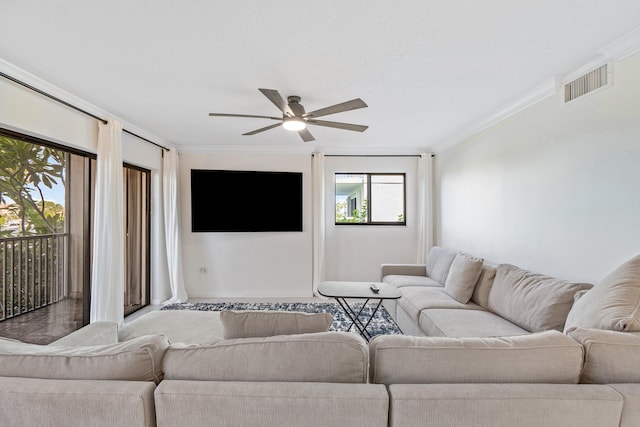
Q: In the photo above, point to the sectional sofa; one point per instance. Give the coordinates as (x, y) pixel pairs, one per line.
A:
(170, 368)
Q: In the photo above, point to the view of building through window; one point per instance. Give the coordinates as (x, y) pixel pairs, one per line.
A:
(370, 198)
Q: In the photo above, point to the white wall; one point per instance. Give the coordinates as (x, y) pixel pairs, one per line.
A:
(355, 252)
(554, 188)
(265, 264)
(27, 112)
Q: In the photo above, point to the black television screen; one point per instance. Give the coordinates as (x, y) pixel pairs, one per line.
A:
(231, 200)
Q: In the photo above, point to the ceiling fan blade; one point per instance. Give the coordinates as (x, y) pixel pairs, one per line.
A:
(306, 135)
(275, 97)
(244, 115)
(253, 132)
(354, 104)
(338, 125)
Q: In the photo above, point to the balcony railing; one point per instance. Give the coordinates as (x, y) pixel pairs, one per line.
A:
(32, 270)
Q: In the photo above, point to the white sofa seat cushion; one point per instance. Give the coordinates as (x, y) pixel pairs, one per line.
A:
(401, 281)
(612, 304)
(415, 299)
(186, 326)
(135, 360)
(610, 357)
(466, 323)
(532, 301)
(545, 357)
(250, 323)
(319, 357)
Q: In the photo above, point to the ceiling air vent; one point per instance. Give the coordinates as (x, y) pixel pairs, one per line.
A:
(587, 83)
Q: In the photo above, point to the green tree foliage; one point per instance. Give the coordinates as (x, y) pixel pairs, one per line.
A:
(358, 215)
(24, 169)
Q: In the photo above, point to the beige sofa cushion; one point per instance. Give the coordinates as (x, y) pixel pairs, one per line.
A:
(438, 263)
(135, 360)
(457, 323)
(483, 287)
(532, 301)
(187, 326)
(610, 357)
(462, 278)
(96, 333)
(612, 304)
(545, 357)
(415, 299)
(245, 324)
(319, 357)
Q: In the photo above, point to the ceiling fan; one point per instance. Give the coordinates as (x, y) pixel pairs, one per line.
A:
(294, 117)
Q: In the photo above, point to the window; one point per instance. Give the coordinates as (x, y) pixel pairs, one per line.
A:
(370, 198)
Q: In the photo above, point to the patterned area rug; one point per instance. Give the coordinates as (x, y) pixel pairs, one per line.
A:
(382, 323)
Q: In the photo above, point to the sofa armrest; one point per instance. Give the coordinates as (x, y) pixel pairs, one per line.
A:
(97, 333)
(403, 270)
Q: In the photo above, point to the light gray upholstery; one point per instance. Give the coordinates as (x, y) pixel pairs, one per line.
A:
(207, 403)
(185, 326)
(250, 323)
(505, 405)
(532, 301)
(438, 263)
(457, 323)
(545, 357)
(631, 408)
(317, 357)
(76, 403)
(416, 299)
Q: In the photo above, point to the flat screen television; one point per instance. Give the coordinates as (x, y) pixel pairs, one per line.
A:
(245, 201)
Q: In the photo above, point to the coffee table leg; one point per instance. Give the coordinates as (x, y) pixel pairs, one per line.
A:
(354, 317)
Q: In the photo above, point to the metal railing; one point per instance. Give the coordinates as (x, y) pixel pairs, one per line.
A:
(32, 272)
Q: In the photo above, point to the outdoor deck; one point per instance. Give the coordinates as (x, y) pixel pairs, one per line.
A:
(46, 324)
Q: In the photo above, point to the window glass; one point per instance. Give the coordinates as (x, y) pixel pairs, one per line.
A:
(370, 198)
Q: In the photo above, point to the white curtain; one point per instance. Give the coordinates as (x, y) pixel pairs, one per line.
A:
(171, 204)
(318, 206)
(107, 274)
(425, 206)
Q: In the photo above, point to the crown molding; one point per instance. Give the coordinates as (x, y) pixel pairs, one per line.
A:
(622, 47)
(40, 84)
(544, 90)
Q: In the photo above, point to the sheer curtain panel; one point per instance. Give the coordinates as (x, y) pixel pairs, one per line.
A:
(425, 206)
(318, 203)
(173, 235)
(107, 274)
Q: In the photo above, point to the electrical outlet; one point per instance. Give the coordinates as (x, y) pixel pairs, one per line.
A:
(203, 270)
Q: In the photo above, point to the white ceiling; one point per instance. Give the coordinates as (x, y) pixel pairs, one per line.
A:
(427, 68)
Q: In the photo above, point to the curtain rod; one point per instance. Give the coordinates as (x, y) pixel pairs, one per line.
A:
(63, 102)
(372, 155)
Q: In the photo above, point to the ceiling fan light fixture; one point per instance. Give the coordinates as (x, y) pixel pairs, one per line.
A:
(294, 123)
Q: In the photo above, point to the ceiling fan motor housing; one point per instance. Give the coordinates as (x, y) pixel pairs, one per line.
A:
(294, 104)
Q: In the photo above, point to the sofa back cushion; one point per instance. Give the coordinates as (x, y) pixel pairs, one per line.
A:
(612, 304)
(135, 360)
(438, 263)
(245, 324)
(532, 301)
(462, 278)
(610, 357)
(340, 357)
(483, 287)
(545, 357)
